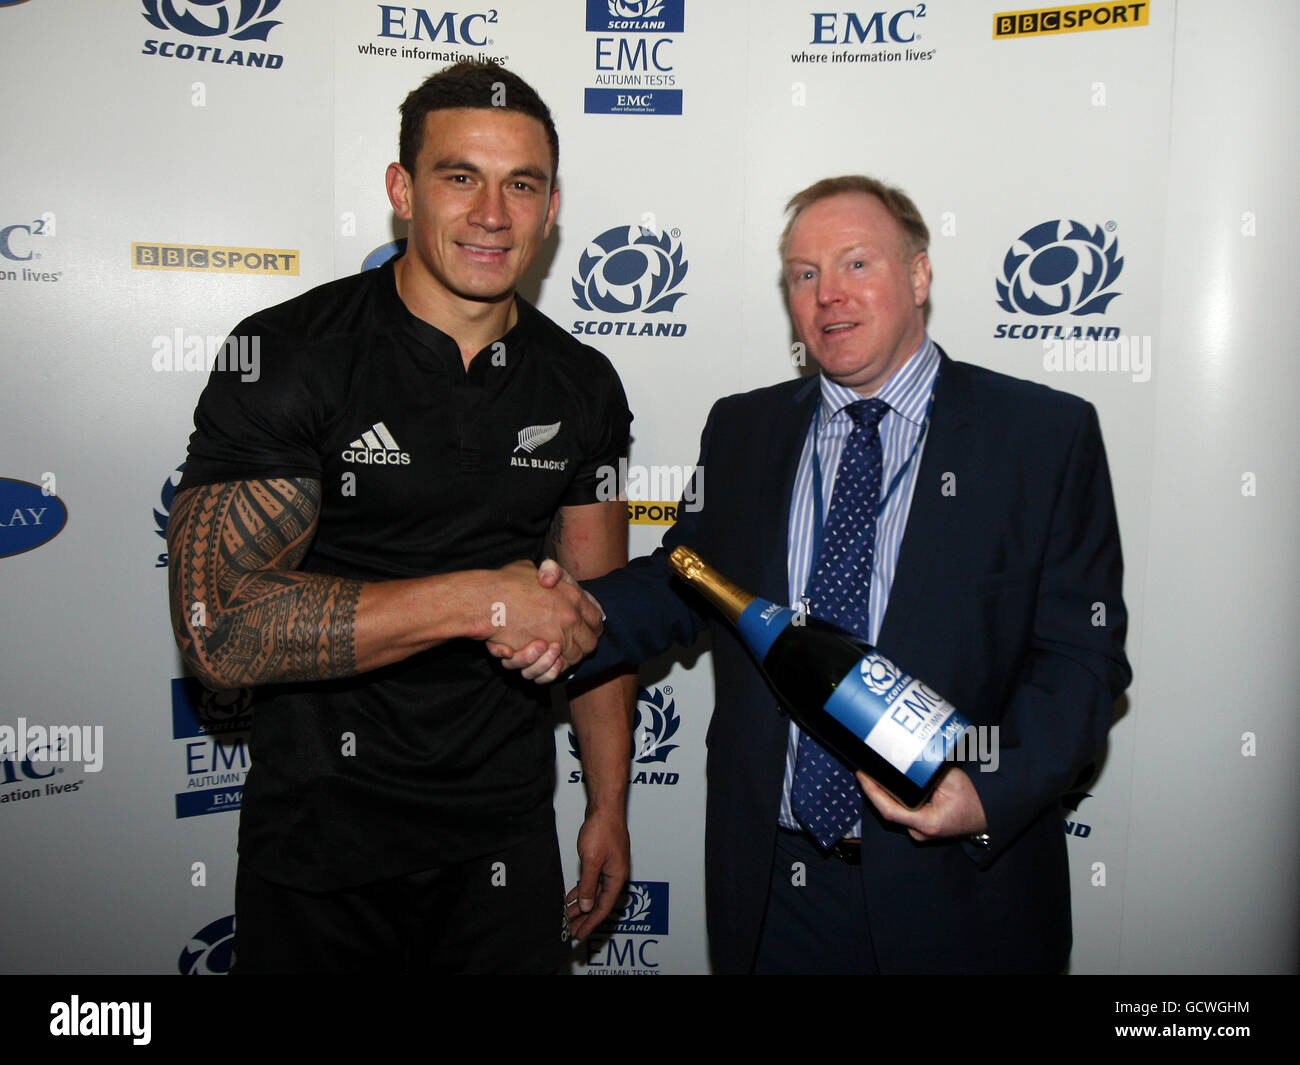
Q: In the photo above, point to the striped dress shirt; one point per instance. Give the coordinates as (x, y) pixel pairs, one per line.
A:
(908, 394)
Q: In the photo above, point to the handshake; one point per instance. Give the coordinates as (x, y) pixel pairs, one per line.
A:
(544, 624)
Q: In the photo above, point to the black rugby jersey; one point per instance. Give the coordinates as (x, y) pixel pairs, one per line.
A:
(425, 468)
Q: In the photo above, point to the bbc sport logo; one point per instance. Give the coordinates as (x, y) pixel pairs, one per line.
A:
(214, 259)
(1072, 19)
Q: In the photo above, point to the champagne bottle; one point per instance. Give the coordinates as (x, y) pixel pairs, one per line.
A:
(836, 686)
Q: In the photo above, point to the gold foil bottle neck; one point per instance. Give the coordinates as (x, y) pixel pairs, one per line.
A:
(722, 593)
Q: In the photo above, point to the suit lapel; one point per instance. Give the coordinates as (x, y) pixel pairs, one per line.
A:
(784, 443)
(923, 539)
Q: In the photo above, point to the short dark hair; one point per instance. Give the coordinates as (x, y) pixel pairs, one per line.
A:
(471, 84)
(899, 205)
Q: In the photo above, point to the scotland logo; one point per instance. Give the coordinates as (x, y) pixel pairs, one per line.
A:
(1075, 827)
(223, 711)
(635, 16)
(635, 8)
(656, 723)
(635, 904)
(160, 517)
(168, 497)
(630, 268)
(211, 950)
(236, 19)
(878, 674)
(1058, 267)
(642, 910)
(197, 711)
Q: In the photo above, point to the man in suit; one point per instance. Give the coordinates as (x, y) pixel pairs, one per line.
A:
(960, 520)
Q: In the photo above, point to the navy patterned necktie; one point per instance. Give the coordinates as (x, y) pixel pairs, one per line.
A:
(824, 795)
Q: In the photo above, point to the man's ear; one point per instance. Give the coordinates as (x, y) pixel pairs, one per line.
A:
(398, 182)
(552, 209)
(921, 278)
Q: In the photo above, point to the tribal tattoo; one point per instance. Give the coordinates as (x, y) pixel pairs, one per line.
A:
(242, 616)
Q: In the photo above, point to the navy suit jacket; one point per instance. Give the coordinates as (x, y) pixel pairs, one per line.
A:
(1006, 600)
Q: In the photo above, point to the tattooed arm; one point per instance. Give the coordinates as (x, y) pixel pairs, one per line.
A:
(243, 615)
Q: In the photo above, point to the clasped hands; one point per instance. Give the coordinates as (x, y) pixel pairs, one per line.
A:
(552, 625)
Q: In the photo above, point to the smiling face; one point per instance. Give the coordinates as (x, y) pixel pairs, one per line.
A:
(480, 203)
(856, 290)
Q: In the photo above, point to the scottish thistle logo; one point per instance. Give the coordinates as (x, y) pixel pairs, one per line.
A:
(879, 674)
(642, 909)
(635, 903)
(161, 517)
(196, 711)
(211, 950)
(630, 268)
(167, 498)
(240, 20)
(635, 8)
(635, 16)
(656, 723)
(1060, 267)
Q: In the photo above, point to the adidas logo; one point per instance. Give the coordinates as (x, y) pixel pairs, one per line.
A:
(376, 447)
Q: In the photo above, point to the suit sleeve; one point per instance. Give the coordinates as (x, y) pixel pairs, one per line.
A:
(1059, 710)
(646, 611)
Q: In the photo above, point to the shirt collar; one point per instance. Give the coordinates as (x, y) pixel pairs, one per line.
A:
(907, 392)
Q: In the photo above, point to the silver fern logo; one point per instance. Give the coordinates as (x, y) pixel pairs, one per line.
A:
(534, 436)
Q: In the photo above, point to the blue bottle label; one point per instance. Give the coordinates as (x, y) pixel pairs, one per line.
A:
(761, 623)
(909, 725)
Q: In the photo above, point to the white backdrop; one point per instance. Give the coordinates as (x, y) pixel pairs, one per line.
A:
(1172, 142)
